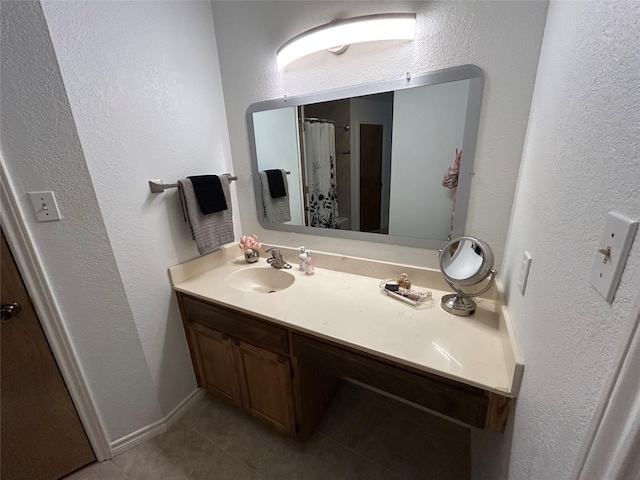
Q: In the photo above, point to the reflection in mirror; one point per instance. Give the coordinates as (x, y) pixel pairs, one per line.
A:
(465, 261)
(388, 162)
(462, 260)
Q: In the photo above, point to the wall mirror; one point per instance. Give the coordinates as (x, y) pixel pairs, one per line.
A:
(375, 162)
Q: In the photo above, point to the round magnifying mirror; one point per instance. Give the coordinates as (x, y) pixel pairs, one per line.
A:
(465, 261)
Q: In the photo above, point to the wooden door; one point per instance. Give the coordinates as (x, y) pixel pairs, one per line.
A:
(41, 436)
(370, 177)
(215, 362)
(265, 383)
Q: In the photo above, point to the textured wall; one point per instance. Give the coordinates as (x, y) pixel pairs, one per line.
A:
(42, 151)
(581, 159)
(144, 86)
(502, 38)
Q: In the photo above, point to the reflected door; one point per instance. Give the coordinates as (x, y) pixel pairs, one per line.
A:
(370, 177)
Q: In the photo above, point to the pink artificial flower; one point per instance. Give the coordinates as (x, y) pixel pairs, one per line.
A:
(249, 243)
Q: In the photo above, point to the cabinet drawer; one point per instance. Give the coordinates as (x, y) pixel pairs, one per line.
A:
(462, 402)
(238, 325)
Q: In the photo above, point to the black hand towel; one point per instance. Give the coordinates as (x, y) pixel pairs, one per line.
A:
(276, 183)
(209, 193)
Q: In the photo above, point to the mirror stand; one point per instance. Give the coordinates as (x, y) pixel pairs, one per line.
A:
(464, 262)
(460, 303)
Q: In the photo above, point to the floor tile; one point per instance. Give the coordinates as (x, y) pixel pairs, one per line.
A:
(363, 435)
(276, 456)
(181, 453)
(406, 440)
(222, 423)
(317, 459)
(106, 470)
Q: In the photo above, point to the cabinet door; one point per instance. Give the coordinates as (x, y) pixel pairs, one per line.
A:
(265, 383)
(215, 362)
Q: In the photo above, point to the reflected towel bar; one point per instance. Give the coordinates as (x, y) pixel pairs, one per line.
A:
(286, 171)
(326, 120)
(156, 186)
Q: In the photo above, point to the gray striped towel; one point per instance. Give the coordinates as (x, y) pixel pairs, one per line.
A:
(212, 230)
(276, 210)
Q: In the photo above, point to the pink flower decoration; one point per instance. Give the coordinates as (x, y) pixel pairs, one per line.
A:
(249, 243)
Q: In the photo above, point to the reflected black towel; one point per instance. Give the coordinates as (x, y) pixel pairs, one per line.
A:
(276, 183)
(209, 193)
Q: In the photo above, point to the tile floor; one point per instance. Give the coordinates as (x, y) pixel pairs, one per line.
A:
(363, 435)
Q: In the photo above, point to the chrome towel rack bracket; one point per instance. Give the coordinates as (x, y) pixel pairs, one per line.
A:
(156, 186)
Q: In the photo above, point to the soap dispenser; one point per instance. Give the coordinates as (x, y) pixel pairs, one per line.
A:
(302, 257)
(309, 265)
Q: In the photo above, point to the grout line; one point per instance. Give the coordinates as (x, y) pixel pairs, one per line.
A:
(349, 449)
(222, 450)
(118, 467)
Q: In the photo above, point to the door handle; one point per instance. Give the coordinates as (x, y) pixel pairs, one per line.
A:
(9, 310)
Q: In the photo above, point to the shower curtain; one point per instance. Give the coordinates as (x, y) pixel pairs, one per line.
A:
(320, 165)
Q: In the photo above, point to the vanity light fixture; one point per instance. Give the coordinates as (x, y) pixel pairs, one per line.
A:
(339, 34)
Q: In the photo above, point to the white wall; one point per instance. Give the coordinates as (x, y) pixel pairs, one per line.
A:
(428, 126)
(144, 86)
(42, 151)
(277, 146)
(502, 38)
(581, 160)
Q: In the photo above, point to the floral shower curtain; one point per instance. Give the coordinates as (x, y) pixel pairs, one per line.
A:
(320, 163)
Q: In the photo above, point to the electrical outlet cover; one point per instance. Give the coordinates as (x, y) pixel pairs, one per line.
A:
(617, 236)
(525, 266)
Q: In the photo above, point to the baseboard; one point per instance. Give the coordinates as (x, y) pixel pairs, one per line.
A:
(184, 406)
(158, 427)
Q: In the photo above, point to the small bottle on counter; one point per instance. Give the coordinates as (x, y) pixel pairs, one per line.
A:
(302, 257)
(404, 282)
(309, 265)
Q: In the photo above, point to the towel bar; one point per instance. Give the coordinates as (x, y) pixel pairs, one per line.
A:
(156, 186)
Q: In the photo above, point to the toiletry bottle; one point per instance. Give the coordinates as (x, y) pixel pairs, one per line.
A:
(309, 265)
(404, 281)
(302, 257)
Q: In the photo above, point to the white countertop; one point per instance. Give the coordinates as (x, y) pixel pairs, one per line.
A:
(349, 309)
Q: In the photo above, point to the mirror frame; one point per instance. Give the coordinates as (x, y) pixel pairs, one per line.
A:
(476, 87)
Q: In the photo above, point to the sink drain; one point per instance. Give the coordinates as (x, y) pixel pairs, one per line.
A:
(271, 291)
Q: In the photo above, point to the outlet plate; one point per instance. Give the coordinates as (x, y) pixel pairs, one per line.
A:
(616, 239)
(525, 266)
(44, 206)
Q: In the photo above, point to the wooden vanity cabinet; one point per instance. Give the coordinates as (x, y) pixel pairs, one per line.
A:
(214, 362)
(246, 374)
(265, 384)
(286, 378)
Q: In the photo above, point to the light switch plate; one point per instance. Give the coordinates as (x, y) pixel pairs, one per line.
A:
(44, 206)
(525, 266)
(617, 238)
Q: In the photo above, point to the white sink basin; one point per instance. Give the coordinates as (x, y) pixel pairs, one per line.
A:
(260, 280)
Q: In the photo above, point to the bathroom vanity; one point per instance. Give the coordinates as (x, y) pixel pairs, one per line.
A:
(280, 355)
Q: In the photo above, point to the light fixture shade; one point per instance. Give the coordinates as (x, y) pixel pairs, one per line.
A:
(387, 26)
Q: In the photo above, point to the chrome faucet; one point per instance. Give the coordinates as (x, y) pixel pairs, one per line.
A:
(276, 260)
